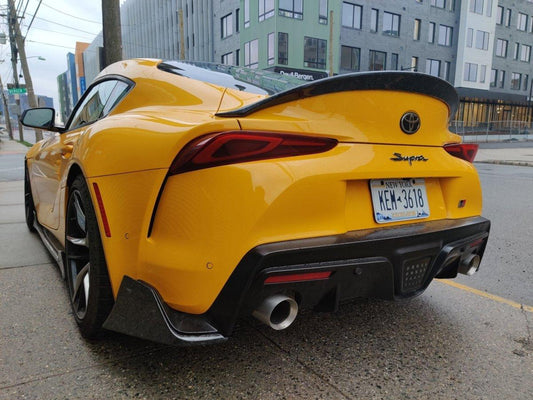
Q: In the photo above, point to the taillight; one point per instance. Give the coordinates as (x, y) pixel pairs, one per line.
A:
(465, 151)
(241, 146)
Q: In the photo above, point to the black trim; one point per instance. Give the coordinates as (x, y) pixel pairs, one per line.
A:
(140, 312)
(413, 82)
(129, 82)
(391, 249)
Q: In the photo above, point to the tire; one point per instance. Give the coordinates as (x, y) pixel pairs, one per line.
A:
(29, 207)
(88, 283)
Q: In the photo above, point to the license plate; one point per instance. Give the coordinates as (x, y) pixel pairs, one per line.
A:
(399, 199)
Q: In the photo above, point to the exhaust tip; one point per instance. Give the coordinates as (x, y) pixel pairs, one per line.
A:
(278, 311)
(470, 264)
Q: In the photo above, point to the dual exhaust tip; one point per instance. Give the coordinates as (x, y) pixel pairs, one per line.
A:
(278, 311)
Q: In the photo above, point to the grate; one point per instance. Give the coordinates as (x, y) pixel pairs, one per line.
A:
(413, 274)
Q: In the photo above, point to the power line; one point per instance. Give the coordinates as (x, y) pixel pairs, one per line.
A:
(70, 15)
(65, 26)
(50, 44)
(62, 33)
(33, 17)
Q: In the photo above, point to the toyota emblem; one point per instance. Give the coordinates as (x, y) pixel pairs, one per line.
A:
(410, 122)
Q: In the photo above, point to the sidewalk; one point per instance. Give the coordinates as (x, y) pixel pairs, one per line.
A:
(519, 156)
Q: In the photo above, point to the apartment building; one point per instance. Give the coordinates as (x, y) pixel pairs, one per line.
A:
(482, 47)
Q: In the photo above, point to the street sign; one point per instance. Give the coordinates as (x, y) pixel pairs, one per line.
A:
(17, 90)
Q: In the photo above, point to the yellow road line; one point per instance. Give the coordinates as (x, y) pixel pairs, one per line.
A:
(487, 295)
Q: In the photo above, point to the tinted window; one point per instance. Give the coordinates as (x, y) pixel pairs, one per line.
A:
(119, 91)
(98, 102)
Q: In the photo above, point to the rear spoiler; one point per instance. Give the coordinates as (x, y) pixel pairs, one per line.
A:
(412, 82)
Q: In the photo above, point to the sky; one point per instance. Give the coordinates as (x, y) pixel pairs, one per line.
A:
(57, 26)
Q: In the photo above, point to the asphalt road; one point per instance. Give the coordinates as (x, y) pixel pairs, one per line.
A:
(450, 343)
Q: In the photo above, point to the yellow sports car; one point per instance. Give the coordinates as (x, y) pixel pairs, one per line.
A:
(180, 197)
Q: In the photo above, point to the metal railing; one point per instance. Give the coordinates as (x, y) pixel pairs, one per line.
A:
(493, 131)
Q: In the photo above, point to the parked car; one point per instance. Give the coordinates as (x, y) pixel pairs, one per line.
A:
(180, 197)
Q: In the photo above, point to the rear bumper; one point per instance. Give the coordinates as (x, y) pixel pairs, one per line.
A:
(387, 263)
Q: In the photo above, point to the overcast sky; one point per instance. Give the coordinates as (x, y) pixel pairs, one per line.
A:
(57, 26)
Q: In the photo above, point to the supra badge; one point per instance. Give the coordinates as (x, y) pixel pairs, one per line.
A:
(410, 122)
(410, 159)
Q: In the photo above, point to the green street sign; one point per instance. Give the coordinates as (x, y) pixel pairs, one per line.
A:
(17, 90)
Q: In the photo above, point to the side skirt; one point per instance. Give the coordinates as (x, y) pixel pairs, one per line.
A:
(51, 244)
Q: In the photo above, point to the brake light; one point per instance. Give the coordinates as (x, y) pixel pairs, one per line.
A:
(242, 146)
(464, 151)
(308, 276)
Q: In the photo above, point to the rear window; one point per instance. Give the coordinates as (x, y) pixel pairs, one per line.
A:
(239, 78)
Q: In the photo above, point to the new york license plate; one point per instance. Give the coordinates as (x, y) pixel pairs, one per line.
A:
(399, 199)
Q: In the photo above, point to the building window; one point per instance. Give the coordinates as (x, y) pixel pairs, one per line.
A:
(469, 37)
(507, 18)
(525, 53)
(516, 52)
(323, 12)
(489, 8)
(237, 12)
(499, 15)
(374, 15)
(315, 51)
(414, 64)
(291, 8)
(516, 81)
(416, 30)
(438, 3)
(237, 57)
(283, 48)
(501, 47)
(446, 71)
(394, 61)
(445, 35)
(266, 9)
(246, 13)
(226, 26)
(391, 24)
(431, 32)
(482, 73)
(270, 48)
(350, 57)
(351, 15)
(470, 72)
(476, 6)
(378, 60)
(501, 79)
(251, 54)
(526, 81)
(493, 76)
(433, 67)
(521, 23)
(227, 59)
(482, 40)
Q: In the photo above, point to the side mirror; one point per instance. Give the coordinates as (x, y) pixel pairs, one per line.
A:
(40, 118)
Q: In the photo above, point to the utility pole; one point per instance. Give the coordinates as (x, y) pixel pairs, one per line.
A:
(112, 32)
(6, 110)
(19, 40)
(11, 17)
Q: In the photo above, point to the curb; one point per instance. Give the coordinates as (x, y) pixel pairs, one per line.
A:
(507, 162)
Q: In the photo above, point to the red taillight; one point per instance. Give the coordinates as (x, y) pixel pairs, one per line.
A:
(308, 276)
(464, 151)
(241, 146)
